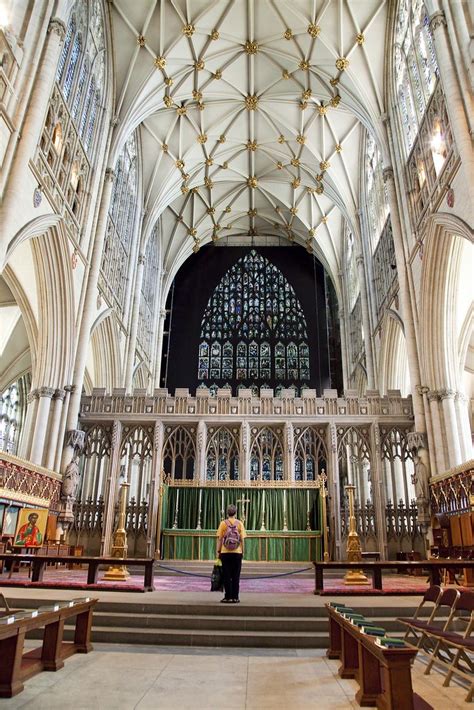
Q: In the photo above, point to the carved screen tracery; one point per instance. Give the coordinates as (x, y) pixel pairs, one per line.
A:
(179, 452)
(136, 459)
(310, 453)
(397, 463)
(254, 329)
(266, 454)
(95, 460)
(222, 454)
(354, 456)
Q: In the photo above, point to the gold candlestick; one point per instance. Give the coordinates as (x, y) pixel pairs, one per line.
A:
(321, 480)
(119, 573)
(353, 549)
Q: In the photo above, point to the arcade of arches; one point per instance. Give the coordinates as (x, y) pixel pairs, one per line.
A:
(236, 263)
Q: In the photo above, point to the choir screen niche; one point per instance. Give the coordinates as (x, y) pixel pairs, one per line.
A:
(254, 329)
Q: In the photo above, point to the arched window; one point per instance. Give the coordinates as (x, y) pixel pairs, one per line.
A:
(376, 196)
(254, 329)
(416, 67)
(148, 298)
(120, 224)
(353, 287)
(13, 403)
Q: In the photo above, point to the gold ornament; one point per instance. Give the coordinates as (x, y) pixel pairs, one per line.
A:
(324, 220)
(185, 176)
(202, 138)
(199, 65)
(221, 138)
(319, 189)
(281, 139)
(335, 101)
(228, 210)
(208, 183)
(322, 109)
(214, 35)
(180, 164)
(307, 94)
(319, 177)
(342, 63)
(141, 41)
(294, 211)
(295, 162)
(200, 105)
(360, 39)
(285, 74)
(189, 30)
(192, 232)
(324, 165)
(211, 210)
(209, 162)
(288, 34)
(251, 145)
(338, 148)
(217, 74)
(304, 64)
(314, 30)
(252, 181)
(160, 62)
(296, 183)
(252, 213)
(169, 81)
(251, 102)
(279, 165)
(225, 165)
(181, 110)
(197, 95)
(251, 47)
(164, 147)
(334, 81)
(196, 247)
(168, 101)
(301, 139)
(303, 105)
(311, 232)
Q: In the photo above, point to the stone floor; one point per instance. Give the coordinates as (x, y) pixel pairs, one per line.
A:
(144, 677)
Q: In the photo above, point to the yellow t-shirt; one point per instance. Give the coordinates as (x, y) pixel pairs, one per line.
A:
(222, 529)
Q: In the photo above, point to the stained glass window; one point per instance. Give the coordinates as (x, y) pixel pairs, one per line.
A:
(377, 202)
(254, 329)
(416, 68)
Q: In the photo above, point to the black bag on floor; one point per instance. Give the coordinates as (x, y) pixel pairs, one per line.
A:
(217, 581)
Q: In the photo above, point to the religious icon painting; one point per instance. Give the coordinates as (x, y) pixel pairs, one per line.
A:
(31, 527)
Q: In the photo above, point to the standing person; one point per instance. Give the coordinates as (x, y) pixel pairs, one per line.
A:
(230, 549)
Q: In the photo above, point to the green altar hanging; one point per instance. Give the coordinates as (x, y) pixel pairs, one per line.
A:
(283, 524)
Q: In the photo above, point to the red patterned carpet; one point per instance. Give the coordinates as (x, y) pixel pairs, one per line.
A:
(288, 584)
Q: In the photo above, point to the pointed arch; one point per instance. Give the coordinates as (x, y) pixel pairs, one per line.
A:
(393, 363)
(106, 353)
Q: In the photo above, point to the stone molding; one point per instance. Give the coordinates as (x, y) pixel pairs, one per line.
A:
(109, 175)
(57, 27)
(46, 392)
(437, 19)
(60, 394)
(387, 175)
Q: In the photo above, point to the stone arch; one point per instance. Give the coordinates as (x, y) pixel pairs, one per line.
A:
(104, 348)
(393, 363)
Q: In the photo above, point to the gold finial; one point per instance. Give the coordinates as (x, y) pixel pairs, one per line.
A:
(214, 35)
(181, 110)
(141, 41)
(301, 138)
(288, 34)
(209, 162)
(169, 81)
(281, 139)
(217, 74)
(295, 162)
(304, 64)
(189, 30)
(251, 102)
(251, 145)
(197, 95)
(324, 165)
(335, 101)
(199, 65)
(252, 181)
(342, 63)
(202, 138)
(285, 74)
(168, 101)
(296, 183)
(314, 30)
(208, 183)
(180, 164)
(160, 62)
(251, 47)
(338, 148)
(360, 39)
(322, 109)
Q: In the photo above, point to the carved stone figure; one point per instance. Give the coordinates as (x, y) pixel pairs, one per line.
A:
(70, 479)
(420, 479)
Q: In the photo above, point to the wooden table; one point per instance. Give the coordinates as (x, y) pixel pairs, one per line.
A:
(17, 666)
(433, 567)
(39, 562)
(383, 674)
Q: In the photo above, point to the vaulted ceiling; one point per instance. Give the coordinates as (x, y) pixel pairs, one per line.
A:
(251, 115)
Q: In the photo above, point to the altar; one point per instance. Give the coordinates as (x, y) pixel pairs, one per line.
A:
(283, 524)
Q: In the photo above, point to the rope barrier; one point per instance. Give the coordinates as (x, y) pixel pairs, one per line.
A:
(265, 576)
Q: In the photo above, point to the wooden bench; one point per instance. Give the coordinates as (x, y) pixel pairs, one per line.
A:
(383, 674)
(433, 567)
(39, 563)
(17, 666)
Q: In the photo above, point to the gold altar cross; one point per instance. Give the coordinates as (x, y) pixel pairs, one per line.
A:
(243, 500)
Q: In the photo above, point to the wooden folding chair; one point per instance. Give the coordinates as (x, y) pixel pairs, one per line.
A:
(455, 651)
(441, 620)
(414, 624)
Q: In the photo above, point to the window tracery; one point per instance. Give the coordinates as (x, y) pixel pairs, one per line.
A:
(179, 453)
(222, 454)
(310, 453)
(146, 315)
(377, 202)
(253, 328)
(266, 454)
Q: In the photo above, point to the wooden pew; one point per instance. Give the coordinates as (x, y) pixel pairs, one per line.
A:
(17, 666)
(433, 567)
(39, 563)
(383, 674)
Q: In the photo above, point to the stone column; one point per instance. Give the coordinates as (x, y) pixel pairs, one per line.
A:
(245, 451)
(408, 323)
(89, 309)
(289, 452)
(41, 424)
(58, 399)
(62, 427)
(439, 451)
(451, 89)
(201, 445)
(378, 490)
(450, 427)
(159, 349)
(366, 322)
(344, 351)
(28, 427)
(31, 131)
(132, 342)
(154, 496)
(110, 488)
(334, 496)
(461, 403)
